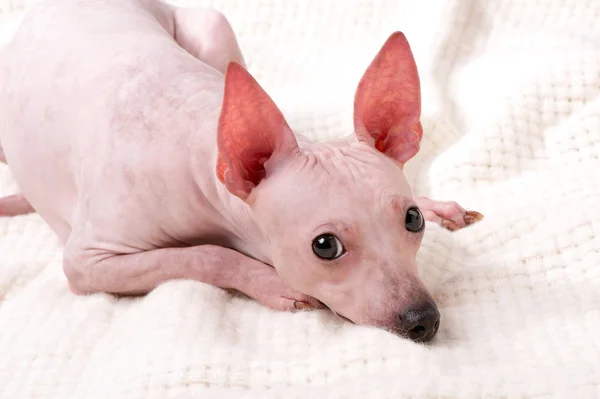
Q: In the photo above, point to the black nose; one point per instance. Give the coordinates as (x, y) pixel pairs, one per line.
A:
(420, 323)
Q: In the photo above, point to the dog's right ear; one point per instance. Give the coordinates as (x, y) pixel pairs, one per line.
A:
(387, 104)
(251, 132)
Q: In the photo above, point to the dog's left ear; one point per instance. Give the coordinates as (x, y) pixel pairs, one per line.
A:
(387, 104)
(252, 133)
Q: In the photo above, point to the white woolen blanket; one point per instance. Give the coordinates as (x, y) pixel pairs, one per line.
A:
(511, 105)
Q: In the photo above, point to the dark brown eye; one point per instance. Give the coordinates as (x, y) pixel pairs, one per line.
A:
(328, 247)
(414, 220)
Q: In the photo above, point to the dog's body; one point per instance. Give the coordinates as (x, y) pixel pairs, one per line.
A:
(134, 130)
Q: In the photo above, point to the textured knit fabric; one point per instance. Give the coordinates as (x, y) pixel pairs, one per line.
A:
(511, 115)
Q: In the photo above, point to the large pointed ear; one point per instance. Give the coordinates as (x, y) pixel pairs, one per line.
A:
(251, 131)
(387, 104)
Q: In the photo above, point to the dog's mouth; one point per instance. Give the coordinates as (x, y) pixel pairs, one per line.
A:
(341, 316)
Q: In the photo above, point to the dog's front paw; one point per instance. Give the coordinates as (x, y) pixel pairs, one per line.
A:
(267, 288)
(447, 214)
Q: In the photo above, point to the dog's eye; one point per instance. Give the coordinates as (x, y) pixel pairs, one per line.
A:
(328, 247)
(414, 220)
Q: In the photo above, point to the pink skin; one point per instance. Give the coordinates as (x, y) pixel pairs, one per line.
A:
(156, 156)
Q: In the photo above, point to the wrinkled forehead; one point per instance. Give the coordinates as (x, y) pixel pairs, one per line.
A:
(354, 168)
(342, 180)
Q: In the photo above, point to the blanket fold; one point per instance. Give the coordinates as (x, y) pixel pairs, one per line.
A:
(511, 117)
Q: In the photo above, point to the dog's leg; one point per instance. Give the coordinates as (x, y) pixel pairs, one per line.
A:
(13, 205)
(208, 36)
(139, 273)
(447, 214)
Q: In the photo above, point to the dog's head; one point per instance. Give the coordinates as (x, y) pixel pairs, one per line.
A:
(340, 218)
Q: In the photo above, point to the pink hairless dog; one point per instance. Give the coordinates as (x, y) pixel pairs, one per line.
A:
(135, 131)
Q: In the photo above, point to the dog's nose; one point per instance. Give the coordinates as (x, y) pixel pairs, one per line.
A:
(420, 323)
